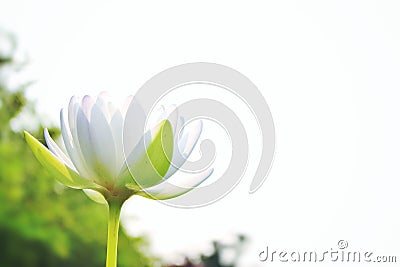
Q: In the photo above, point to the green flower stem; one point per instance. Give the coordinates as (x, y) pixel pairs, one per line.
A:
(114, 210)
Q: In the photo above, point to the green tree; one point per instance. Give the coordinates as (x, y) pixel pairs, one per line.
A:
(43, 223)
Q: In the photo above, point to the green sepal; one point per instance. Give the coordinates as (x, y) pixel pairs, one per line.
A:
(61, 172)
(150, 168)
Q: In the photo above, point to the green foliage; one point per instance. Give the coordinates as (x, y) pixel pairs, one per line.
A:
(43, 223)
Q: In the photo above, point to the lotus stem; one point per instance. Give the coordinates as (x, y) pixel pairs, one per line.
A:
(114, 211)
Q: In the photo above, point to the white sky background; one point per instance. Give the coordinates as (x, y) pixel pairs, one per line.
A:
(329, 71)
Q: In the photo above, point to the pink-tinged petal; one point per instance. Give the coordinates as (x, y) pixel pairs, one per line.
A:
(86, 106)
(102, 103)
(56, 150)
(166, 190)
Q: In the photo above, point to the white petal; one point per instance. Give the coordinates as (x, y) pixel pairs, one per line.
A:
(72, 110)
(102, 141)
(164, 113)
(102, 103)
(133, 126)
(77, 156)
(116, 124)
(73, 151)
(84, 140)
(171, 114)
(167, 190)
(126, 105)
(190, 135)
(53, 147)
(154, 117)
(183, 146)
(138, 151)
(111, 109)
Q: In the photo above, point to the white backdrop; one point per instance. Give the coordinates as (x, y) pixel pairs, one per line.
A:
(329, 71)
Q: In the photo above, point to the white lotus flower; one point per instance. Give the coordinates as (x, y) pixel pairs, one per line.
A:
(110, 156)
(107, 152)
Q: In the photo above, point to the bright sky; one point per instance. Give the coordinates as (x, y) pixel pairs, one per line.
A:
(329, 71)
